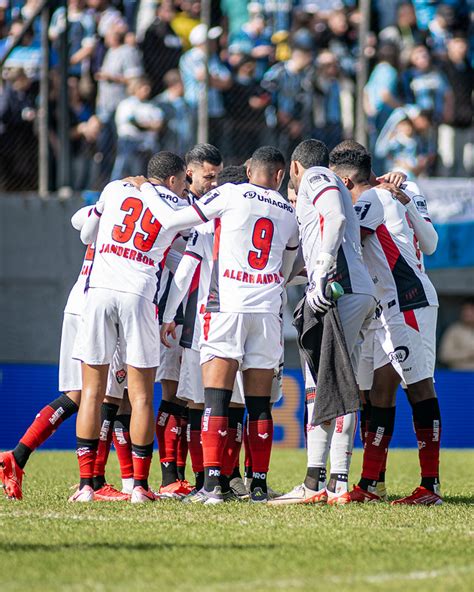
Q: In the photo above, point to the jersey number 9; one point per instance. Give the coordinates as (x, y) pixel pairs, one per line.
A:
(262, 241)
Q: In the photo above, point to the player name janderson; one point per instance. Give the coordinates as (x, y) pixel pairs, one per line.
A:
(127, 254)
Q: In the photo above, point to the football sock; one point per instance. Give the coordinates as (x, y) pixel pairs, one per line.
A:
(247, 452)
(260, 434)
(318, 438)
(315, 478)
(378, 438)
(141, 464)
(337, 483)
(168, 429)
(365, 413)
(44, 425)
(108, 413)
(214, 433)
(86, 452)
(182, 452)
(427, 423)
(236, 474)
(123, 447)
(195, 446)
(342, 443)
(234, 441)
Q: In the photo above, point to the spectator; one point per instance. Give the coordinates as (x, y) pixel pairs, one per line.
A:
(236, 13)
(178, 135)
(18, 145)
(246, 102)
(456, 349)
(342, 42)
(27, 55)
(426, 87)
(186, 20)
(193, 72)
(440, 30)
(404, 151)
(161, 47)
(381, 95)
(253, 33)
(138, 121)
(457, 138)
(425, 11)
(81, 33)
(327, 115)
(289, 83)
(404, 33)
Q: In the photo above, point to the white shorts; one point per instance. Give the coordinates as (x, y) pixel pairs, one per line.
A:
(70, 374)
(110, 316)
(356, 312)
(190, 387)
(407, 340)
(170, 359)
(253, 339)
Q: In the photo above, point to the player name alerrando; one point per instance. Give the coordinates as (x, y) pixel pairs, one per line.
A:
(250, 278)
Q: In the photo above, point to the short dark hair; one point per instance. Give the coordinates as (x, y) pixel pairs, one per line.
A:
(351, 159)
(202, 153)
(232, 174)
(163, 165)
(267, 157)
(310, 153)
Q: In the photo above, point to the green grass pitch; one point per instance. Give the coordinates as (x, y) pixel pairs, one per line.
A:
(49, 545)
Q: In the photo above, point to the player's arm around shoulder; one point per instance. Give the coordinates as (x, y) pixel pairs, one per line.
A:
(370, 211)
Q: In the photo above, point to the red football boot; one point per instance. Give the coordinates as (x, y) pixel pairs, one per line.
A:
(175, 490)
(11, 475)
(362, 496)
(108, 493)
(420, 497)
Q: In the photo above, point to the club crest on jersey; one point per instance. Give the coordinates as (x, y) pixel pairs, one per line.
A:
(399, 354)
(121, 375)
(250, 194)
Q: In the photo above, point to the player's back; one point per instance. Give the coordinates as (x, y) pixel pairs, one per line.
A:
(351, 271)
(258, 224)
(131, 242)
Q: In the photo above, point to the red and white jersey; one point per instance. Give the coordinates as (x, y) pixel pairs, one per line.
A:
(256, 226)
(76, 298)
(200, 248)
(317, 200)
(131, 242)
(391, 254)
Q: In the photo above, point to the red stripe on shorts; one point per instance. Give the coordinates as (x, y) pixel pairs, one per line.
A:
(410, 319)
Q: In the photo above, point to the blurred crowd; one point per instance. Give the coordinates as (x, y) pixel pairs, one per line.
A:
(279, 71)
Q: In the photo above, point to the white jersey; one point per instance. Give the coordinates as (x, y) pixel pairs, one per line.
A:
(75, 301)
(312, 210)
(256, 226)
(391, 254)
(200, 247)
(131, 242)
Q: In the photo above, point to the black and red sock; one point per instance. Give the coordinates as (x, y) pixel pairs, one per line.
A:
(86, 450)
(44, 425)
(168, 430)
(233, 445)
(123, 445)
(377, 441)
(247, 451)
(108, 413)
(195, 445)
(214, 433)
(427, 424)
(364, 420)
(260, 434)
(182, 452)
(141, 456)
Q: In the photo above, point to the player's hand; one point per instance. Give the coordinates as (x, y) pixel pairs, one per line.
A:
(136, 181)
(396, 192)
(395, 177)
(166, 330)
(316, 295)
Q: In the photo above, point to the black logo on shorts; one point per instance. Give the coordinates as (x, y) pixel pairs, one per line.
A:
(121, 375)
(400, 354)
(250, 194)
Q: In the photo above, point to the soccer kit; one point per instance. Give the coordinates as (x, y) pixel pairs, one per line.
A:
(315, 205)
(255, 227)
(405, 336)
(124, 281)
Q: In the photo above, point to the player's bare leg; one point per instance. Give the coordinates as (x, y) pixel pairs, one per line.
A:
(218, 377)
(169, 423)
(378, 433)
(44, 425)
(140, 392)
(257, 389)
(427, 424)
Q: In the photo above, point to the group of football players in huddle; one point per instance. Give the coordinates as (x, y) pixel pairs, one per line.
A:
(183, 283)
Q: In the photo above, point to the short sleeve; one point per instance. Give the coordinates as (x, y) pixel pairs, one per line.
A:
(213, 204)
(369, 211)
